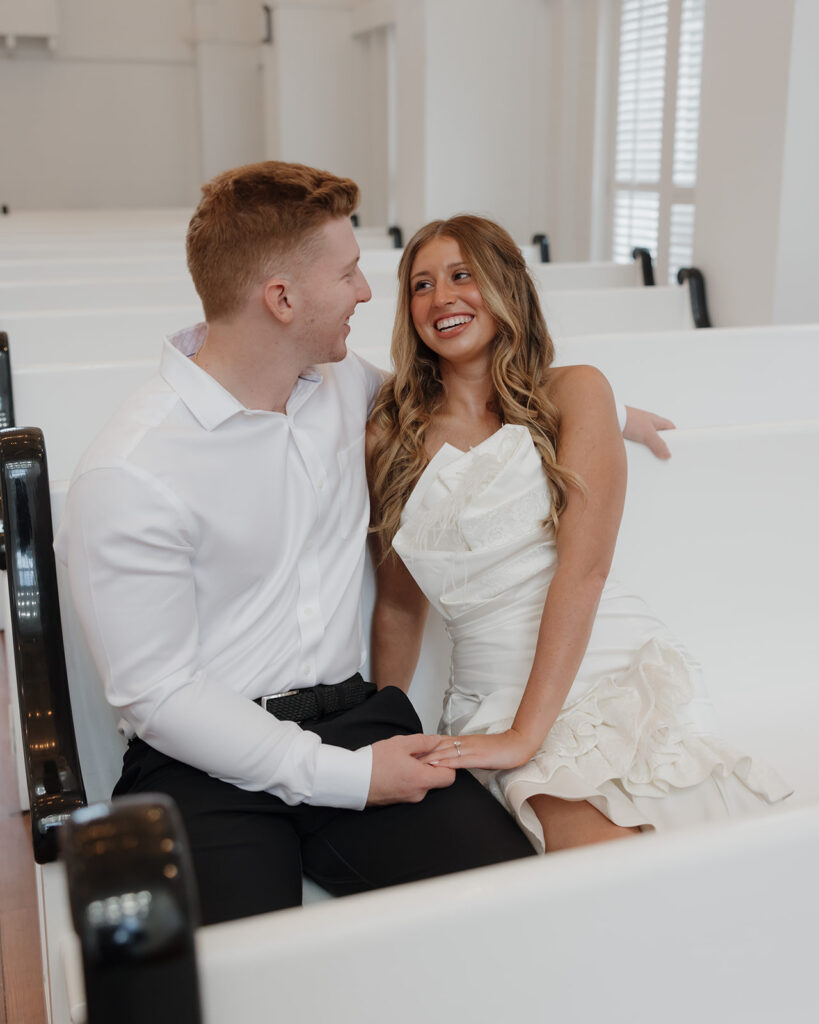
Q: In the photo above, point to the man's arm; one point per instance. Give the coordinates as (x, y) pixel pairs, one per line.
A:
(129, 546)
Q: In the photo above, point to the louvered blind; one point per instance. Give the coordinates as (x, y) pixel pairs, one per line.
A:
(681, 243)
(641, 91)
(655, 162)
(636, 216)
(687, 116)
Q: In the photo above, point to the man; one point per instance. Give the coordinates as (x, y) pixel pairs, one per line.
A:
(215, 540)
(215, 536)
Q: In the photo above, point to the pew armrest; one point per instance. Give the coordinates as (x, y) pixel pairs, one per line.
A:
(133, 906)
(696, 289)
(53, 774)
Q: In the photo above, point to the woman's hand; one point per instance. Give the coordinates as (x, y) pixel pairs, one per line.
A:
(643, 426)
(508, 749)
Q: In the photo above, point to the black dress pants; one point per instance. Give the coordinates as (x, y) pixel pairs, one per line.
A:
(250, 848)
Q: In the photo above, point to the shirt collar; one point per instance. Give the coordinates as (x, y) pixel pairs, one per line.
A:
(207, 400)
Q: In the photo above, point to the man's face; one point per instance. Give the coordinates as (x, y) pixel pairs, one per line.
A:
(331, 287)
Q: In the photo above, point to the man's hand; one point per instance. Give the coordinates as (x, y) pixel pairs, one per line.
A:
(642, 426)
(399, 776)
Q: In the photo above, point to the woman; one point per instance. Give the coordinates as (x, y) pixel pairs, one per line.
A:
(497, 486)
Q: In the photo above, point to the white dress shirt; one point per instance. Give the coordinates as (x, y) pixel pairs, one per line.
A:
(215, 555)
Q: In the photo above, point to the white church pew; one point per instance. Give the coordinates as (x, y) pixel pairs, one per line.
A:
(93, 335)
(71, 403)
(143, 222)
(96, 293)
(570, 276)
(124, 264)
(114, 267)
(568, 313)
(607, 310)
(701, 541)
(717, 377)
(548, 277)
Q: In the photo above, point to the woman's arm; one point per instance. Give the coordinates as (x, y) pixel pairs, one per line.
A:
(643, 427)
(590, 444)
(399, 614)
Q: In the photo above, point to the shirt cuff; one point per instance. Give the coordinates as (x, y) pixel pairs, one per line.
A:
(622, 415)
(342, 777)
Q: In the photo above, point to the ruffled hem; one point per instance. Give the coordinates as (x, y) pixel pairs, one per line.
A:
(632, 748)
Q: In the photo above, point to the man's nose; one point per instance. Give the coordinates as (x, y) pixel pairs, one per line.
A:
(364, 293)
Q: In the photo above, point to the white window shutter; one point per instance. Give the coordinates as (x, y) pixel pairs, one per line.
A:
(658, 99)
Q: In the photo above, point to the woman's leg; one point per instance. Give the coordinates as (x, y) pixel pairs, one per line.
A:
(569, 823)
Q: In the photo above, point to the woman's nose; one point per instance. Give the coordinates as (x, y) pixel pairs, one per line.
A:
(443, 294)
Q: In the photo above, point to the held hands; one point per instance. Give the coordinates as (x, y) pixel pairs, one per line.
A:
(401, 773)
(643, 426)
(501, 750)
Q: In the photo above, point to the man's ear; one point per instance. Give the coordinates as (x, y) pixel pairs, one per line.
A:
(278, 297)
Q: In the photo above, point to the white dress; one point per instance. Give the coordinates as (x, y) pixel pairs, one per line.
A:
(635, 736)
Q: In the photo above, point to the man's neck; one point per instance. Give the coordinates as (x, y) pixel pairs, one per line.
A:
(250, 365)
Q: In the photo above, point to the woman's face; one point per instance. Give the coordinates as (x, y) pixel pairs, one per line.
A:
(446, 307)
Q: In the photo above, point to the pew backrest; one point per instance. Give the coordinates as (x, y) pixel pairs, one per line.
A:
(47, 295)
(608, 310)
(718, 377)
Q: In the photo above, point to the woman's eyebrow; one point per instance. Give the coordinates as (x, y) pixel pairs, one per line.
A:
(448, 266)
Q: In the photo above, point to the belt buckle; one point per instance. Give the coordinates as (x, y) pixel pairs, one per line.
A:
(275, 696)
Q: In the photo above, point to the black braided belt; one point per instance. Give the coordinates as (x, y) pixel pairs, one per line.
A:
(317, 701)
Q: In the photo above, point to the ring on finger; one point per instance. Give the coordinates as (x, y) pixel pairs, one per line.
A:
(458, 747)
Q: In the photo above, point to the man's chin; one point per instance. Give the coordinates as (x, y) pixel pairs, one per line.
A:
(335, 355)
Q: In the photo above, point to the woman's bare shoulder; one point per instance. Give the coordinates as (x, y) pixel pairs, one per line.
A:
(570, 386)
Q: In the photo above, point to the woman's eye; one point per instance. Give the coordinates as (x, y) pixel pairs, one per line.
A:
(461, 275)
(420, 286)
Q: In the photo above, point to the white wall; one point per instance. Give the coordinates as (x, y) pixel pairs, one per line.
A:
(109, 118)
(569, 124)
(229, 82)
(745, 75)
(316, 119)
(796, 296)
(373, 100)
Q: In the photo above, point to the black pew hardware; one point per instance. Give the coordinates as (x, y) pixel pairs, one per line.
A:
(267, 38)
(134, 908)
(397, 236)
(53, 775)
(696, 291)
(354, 219)
(6, 419)
(6, 393)
(646, 265)
(542, 242)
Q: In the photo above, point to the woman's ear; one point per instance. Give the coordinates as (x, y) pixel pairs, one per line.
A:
(277, 296)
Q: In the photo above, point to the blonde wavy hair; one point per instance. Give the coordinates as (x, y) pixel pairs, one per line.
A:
(522, 352)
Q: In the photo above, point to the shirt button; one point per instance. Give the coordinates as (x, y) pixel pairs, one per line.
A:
(308, 611)
(305, 670)
(320, 485)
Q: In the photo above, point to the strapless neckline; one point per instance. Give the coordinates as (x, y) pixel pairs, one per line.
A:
(450, 454)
